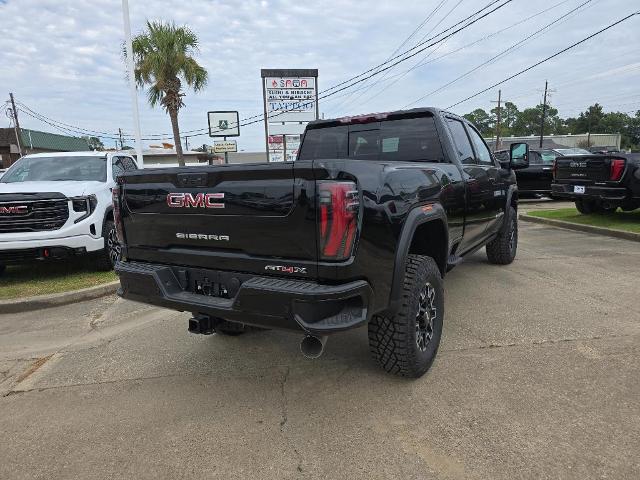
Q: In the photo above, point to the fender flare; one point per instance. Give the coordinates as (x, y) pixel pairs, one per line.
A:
(513, 189)
(107, 211)
(416, 217)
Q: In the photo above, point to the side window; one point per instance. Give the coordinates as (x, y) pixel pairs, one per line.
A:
(483, 155)
(535, 158)
(128, 164)
(461, 141)
(118, 169)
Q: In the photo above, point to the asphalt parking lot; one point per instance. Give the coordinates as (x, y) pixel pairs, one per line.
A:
(537, 377)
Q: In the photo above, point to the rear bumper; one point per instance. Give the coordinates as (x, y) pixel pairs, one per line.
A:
(254, 300)
(592, 192)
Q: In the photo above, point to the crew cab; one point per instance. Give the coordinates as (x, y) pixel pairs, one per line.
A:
(54, 205)
(536, 179)
(599, 183)
(360, 230)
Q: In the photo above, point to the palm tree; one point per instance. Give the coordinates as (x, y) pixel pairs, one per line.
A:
(163, 60)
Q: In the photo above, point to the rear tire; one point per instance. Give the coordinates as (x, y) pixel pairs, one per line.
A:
(112, 251)
(502, 249)
(406, 343)
(585, 207)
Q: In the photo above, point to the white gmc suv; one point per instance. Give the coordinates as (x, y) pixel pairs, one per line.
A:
(53, 205)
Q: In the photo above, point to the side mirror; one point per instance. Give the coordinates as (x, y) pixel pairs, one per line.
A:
(519, 155)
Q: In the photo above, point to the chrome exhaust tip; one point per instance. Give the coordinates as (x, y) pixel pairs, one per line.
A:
(312, 346)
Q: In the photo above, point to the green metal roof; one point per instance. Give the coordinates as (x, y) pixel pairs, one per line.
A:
(52, 141)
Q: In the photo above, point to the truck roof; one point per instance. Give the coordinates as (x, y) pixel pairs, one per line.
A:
(372, 117)
(89, 153)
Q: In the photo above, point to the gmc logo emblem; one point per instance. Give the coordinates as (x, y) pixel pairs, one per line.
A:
(19, 210)
(200, 200)
(578, 164)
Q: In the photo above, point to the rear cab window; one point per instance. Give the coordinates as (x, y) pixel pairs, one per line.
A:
(403, 139)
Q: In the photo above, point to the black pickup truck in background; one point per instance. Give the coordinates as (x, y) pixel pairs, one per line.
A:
(599, 183)
(361, 229)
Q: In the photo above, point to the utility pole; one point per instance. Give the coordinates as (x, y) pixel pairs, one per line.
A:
(544, 113)
(16, 124)
(121, 143)
(496, 146)
(186, 143)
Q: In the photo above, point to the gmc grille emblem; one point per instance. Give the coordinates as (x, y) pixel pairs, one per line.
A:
(18, 210)
(199, 200)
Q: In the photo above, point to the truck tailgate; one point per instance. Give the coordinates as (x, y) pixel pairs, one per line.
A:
(586, 169)
(237, 217)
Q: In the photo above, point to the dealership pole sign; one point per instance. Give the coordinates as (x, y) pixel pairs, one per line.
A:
(224, 123)
(290, 100)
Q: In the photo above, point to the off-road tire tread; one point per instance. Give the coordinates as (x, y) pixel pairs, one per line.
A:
(390, 339)
(498, 249)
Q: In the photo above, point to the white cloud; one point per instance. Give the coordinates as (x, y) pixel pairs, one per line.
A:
(63, 57)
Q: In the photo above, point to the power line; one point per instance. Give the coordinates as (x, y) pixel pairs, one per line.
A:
(73, 127)
(376, 70)
(366, 88)
(61, 128)
(501, 54)
(560, 52)
(422, 63)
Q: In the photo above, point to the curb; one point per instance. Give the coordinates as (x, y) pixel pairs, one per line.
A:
(57, 299)
(609, 232)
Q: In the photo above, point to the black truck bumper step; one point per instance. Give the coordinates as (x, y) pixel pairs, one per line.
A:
(254, 300)
(591, 191)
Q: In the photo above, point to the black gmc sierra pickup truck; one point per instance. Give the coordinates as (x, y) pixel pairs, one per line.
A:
(599, 183)
(361, 229)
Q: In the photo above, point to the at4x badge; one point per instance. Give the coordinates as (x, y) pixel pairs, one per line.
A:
(286, 269)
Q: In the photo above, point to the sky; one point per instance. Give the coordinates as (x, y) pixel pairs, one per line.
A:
(62, 58)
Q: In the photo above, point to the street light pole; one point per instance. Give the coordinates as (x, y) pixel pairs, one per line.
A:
(132, 82)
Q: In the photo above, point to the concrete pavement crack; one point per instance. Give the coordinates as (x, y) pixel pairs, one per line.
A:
(285, 418)
(536, 343)
(283, 393)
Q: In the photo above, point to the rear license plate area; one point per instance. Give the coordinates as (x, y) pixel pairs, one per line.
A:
(208, 284)
(578, 189)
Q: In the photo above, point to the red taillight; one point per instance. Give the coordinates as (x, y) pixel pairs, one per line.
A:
(339, 206)
(617, 167)
(372, 117)
(117, 218)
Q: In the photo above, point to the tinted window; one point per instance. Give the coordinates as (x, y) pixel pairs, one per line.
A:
(535, 158)
(461, 141)
(81, 169)
(408, 139)
(483, 155)
(324, 143)
(121, 165)
(502, 155)
(548, 157)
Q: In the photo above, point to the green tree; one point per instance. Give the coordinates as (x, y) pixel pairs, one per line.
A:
(94, 143)
(163, 58)
(588, 121)
(528, 121)
(482, 120)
